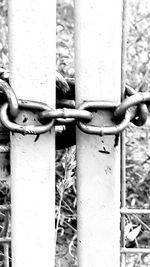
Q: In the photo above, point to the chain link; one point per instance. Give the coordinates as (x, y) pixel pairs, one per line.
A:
(135, 100)
(141, 109)
(21, 128)
(62, 115)
(11, 98)
(104, 130)
(134, 108)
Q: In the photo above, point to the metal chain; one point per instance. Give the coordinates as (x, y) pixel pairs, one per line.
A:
(25, 129)
(134, 108)
(105, 130)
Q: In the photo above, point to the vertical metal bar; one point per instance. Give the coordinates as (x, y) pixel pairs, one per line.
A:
(98, 35)
(123, 198)
(123, 153)
(5, 235)
(32, 76)
(6, 255)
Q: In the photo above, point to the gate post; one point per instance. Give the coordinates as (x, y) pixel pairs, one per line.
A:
(32, 43)
(98, 34)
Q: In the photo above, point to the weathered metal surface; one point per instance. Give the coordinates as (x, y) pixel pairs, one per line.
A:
(98, 77)
(32, 76)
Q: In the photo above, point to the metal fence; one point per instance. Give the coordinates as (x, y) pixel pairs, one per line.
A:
(100, 119)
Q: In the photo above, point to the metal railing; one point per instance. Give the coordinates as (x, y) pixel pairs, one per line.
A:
(98, 152)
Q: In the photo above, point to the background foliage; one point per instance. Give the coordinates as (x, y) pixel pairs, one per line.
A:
(137, 139)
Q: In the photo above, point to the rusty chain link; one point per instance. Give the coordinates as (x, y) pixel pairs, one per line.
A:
(26, 129)
(105, 130)
(134, 108)
(138, 100)
(11, 98)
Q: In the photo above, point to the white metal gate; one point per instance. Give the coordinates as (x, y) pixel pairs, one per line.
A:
(100, 72)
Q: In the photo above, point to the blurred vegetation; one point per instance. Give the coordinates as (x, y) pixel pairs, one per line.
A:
(137, 139)
(138, 44)
(4, 34)
(65, 37)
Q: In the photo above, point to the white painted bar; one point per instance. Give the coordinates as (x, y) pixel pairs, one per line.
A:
(98, 35)
(32, 74)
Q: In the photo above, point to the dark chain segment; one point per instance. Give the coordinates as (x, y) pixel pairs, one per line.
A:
(138, 100)
(25, 129)
(134, 108)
